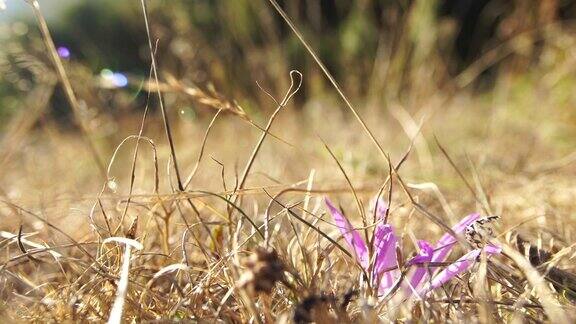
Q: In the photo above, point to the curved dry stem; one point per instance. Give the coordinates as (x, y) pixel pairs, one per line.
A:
(292, 90)
(201, 154)
(113, 158)
(328, 75)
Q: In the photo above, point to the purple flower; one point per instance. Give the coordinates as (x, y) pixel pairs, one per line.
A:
(384, 245)
(438, 254)
(447, 241)
(385, 271)
(351, 236)
(459, 266)
(385, 242)
(380, 206)
(63, 52)
(424, 256)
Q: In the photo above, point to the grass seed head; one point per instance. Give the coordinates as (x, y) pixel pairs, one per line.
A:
(263, 270)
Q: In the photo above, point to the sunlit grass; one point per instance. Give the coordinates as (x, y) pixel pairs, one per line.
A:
(237, 230)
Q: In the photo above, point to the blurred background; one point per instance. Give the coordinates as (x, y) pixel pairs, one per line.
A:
(381, 51)
(468, 68)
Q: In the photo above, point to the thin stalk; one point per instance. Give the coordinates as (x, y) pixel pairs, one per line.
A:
(328, 75)
(162, 109)
(66, 85)
(294, 87)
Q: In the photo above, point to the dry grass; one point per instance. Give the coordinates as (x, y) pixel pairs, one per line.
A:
(209, 248)
(239, 232)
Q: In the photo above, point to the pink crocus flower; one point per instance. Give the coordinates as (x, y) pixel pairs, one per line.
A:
(459, 266)
(386, 242)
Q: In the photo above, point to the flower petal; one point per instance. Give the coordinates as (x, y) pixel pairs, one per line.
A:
(492, 249)
(381, 207)
(446, 242)
(385, 242)
(424, 256)
(351, 236)
(459, 266)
